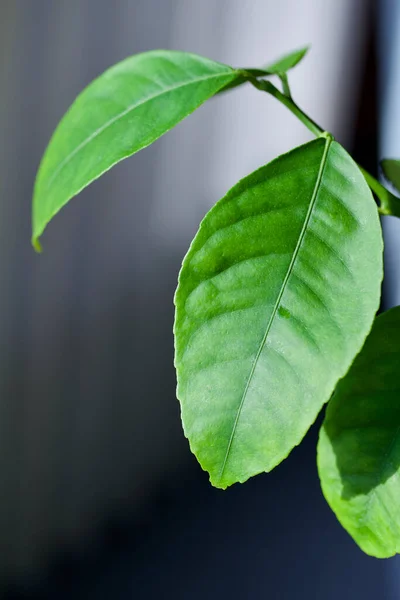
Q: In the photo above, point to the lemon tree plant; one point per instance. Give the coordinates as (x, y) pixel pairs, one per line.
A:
(277, 295)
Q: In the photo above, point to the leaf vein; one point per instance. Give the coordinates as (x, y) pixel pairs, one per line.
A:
(332, 250)
(320, 301)
(279, 298)
(120, 115)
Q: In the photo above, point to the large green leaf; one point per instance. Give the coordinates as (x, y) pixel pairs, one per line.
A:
(359, 446)
(276, 296)
(124, 110)
(391, 170)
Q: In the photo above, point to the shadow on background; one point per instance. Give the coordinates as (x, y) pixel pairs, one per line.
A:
(274, 537)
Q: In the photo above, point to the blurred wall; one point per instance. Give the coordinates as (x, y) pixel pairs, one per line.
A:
(89, 424)
(389, 55)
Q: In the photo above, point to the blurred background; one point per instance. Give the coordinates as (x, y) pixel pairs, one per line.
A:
(100, 497)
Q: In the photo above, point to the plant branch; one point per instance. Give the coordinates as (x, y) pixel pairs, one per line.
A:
(267, 86)
(389, 203)
(285, 85)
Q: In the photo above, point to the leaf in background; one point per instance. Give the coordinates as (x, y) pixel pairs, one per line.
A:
(124, 110)
(287, 62)
(284, 64)
(391, 170)
(359, 446)
(275, 298)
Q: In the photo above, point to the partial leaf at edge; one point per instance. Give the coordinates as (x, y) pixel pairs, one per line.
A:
(275, 298)
(127, 108)
(391, 171)
(359, 445)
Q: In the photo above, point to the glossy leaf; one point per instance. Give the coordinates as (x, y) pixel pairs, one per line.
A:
(391, 170)
(124, 110)
(276, 296)
(359, 446)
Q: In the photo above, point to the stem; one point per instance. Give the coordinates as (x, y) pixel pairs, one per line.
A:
(267, 86)
(285, 85)
(389, 203)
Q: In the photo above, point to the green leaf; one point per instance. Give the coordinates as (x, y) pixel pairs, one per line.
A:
(280, 67)
(287, 62)
(124, 110)
(391, 170)
(359, 446)
(275, 298)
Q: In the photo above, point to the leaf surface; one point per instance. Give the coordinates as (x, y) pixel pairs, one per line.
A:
(127, 108)
(359, 446)
(391, 170)
(276, 296)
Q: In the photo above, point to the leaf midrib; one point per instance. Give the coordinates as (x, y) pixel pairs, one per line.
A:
(279, 298)
(122, 114)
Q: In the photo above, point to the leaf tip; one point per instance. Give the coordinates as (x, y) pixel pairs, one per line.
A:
(37, 245)
(217, 484)
(301, 53)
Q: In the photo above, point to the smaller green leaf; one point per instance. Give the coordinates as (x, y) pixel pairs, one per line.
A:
(124, 110)
(287, 62)
(359, 445)
(391, 171)
(282, 65)
(279, 67)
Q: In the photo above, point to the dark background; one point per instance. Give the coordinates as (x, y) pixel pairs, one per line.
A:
(100, 496)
